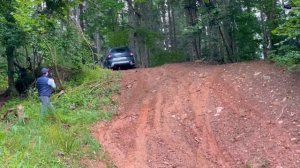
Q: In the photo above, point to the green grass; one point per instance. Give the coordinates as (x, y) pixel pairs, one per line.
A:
(63, 138)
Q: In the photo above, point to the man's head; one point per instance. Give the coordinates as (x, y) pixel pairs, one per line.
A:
(45, 71)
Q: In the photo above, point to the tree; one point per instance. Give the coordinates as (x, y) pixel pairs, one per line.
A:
(11, 36)
(286, 50)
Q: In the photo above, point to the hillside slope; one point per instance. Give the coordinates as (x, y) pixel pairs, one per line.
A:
(197, 115)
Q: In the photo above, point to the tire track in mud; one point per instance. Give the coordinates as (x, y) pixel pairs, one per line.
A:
(167, 118)
(209, 143)
(162, 121)
(163, 111)
(142, 131)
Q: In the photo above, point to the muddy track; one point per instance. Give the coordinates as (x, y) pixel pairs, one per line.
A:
(170, 117)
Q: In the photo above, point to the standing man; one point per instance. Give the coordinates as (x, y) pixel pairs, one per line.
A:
(45, 86)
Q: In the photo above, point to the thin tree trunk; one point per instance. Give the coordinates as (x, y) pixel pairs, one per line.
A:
(98, 45)
(191, 16)
(170, 26)
(34, 53)
(81, 21)
(28, 59)
(165, 25)
(199, 44)
(174, 28)
(226, 43)
(265, 36)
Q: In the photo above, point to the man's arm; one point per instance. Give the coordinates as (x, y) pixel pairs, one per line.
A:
(52, 83)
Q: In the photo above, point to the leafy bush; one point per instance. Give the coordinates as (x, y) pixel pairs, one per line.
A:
(287, 52)
(291, 60)
(119, 38)
(64, 137)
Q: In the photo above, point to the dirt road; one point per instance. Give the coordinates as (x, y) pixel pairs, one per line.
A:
(203, 116)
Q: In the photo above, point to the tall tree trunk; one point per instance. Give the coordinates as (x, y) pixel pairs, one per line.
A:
(164, 27)
(140, 18)
(265, 36)
(226, 41)
(268, 15)
(11, 91)
(171, 26)
(191, 17)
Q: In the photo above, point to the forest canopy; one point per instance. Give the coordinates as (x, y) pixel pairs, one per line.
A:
(67, 34)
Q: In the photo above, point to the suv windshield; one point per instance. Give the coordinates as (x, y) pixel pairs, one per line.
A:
(119, 50)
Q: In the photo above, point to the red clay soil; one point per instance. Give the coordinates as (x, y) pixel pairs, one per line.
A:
(194, 115)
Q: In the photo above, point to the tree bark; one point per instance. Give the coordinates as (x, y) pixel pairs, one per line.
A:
(191, 17)
(171, 26)
(226, 43)
(164, 27)
(141, 20)
(265, 36)
(11, 91)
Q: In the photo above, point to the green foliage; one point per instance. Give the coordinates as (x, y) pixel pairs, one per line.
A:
(119, 38)
(291, 26)
(10, 33)
(291, 60)
(150, 37)
(63, 139)
(102, 16)
(66, 48)
(245, 36)
(287, 51)
(163, 57)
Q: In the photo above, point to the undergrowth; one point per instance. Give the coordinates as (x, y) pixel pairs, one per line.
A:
(63, 139)
(287, 56)
(3, 81)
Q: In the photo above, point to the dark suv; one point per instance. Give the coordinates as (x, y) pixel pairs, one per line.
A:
(119, 57)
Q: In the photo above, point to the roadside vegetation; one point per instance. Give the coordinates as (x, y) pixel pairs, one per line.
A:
(3, 82)
(62, 139)
(286, 50)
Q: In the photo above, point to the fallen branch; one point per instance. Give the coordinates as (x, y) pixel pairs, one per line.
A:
(11, 110)
(17, 112)
(282, 111)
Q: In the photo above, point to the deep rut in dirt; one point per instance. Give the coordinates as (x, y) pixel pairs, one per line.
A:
(170, 117)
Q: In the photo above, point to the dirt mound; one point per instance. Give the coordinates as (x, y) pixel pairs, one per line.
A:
(196, 115)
